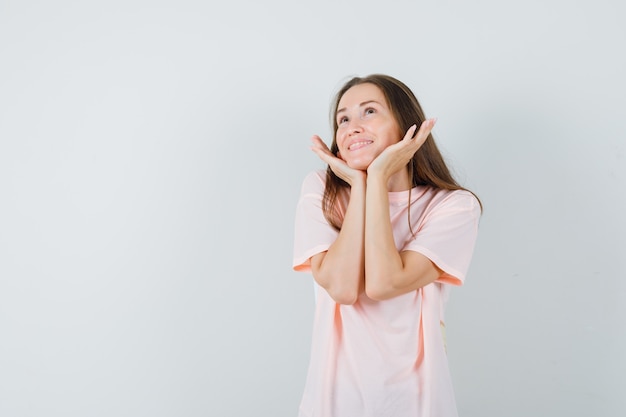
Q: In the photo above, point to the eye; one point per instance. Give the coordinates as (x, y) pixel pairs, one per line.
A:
(370, 110)
(342, 120)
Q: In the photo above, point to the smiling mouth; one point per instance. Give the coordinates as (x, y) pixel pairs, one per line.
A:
(359, 145)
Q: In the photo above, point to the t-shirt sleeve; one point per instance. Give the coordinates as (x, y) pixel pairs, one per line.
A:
(312, 232)
(447, 235)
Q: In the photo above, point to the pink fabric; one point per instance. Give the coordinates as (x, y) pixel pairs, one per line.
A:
(386, 358)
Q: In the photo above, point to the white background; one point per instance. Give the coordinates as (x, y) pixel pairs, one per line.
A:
(151, 155)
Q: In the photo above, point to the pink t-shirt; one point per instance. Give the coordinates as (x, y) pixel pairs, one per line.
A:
(386, 358)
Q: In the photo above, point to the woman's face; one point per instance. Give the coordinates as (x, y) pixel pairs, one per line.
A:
(366, 125)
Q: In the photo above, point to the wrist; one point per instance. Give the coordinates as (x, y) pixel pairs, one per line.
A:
(374, 178)
(359, 182)
(375, 184)
(377, 172)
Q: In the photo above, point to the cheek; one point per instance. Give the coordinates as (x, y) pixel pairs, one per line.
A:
(395, 130)
(339, 142)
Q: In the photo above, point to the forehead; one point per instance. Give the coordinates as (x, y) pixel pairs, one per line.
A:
(361, 93)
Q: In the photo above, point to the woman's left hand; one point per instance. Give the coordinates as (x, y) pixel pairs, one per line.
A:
(398, 155)
(338, 165)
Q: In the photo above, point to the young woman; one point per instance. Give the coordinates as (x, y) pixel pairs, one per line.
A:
(385, 231)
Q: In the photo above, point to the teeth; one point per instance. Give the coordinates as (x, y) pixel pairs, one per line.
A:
(367, 142)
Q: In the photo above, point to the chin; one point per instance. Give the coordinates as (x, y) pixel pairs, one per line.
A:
(359, 165)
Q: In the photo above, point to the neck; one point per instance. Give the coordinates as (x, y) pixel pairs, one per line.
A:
(399, 181)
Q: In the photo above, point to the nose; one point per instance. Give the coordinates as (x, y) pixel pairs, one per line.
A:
(354, 126)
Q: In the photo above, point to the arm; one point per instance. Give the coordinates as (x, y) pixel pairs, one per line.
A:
(390, 273)
(341, 270)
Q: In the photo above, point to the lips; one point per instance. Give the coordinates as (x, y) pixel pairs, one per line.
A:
(358, 144)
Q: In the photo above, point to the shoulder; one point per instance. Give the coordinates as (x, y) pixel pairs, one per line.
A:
(314, 182)
(446, 201)
(461, 199)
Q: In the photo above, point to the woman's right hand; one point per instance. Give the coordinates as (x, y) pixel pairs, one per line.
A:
(337, 165)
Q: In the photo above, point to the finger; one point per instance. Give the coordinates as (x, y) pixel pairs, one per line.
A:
(410, 133)
(321, 153)
(425, 129)
(317, 141)
(324, 153)
(427, 125)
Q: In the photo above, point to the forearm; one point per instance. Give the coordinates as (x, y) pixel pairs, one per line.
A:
(341, 269)
(388, 272)
(382, 260)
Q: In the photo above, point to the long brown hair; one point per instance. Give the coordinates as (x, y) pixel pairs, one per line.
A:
(427, 167)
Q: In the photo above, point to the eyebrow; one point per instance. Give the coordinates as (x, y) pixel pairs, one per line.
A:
(360, 105)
